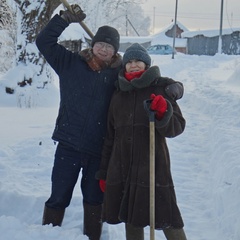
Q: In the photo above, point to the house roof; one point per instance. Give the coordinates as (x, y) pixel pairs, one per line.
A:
(209, 33)
(132, 39)
(158, 38)
(170, 26)
(161, 38)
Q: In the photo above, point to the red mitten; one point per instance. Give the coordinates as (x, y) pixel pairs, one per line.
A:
(102, 185)
(159, 105)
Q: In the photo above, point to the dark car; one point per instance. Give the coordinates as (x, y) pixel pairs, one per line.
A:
(162, 49)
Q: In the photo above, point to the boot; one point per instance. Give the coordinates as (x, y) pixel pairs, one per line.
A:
(92, 226)
(174, 234)
(53, 216)
(134, 233)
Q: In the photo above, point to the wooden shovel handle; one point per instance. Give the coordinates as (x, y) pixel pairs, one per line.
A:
(83, 25)
(151, 115)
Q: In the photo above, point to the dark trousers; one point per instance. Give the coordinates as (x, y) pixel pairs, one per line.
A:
(67, 165)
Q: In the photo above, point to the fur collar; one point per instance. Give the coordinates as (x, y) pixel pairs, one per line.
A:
(96, 64)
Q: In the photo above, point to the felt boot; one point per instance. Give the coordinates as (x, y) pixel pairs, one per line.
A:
(134, 233)
(174, 234)
(53, 216)
(92, 226)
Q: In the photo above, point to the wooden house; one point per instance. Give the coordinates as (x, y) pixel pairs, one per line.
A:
(206, 42)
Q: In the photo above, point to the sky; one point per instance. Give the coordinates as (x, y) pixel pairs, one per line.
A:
(193, 14)
(204, 158)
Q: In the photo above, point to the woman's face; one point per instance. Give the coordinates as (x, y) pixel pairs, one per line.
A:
(135, 66)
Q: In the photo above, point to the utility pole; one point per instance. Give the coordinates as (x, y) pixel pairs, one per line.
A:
(153, 19)
(175, 29)
(133, 27)
(220, 31)
(126, 24)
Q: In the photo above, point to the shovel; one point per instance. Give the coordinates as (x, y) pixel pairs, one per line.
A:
(151, 115)
(83, 25)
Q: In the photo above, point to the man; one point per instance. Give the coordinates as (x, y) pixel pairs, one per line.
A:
(86, 86)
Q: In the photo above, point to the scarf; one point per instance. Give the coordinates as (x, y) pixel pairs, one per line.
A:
(145, 80)
(97, 64)
(131, 75)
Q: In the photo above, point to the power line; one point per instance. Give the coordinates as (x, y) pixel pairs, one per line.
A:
(211, 16)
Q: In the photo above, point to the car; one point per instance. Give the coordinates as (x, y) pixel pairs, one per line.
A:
(162, 49)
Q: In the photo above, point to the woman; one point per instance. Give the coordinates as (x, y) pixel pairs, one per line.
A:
(125, 156)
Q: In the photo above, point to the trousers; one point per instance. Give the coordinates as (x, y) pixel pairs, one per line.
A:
(68, 164)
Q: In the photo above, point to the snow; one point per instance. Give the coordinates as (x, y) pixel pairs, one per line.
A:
(132, 39)
(73, 32)
(205, 158)
(209, 33)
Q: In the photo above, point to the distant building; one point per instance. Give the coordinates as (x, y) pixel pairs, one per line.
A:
(166, 36)
(74, 38)
(126, 41)
(206, 42)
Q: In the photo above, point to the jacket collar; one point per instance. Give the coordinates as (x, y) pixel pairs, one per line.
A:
(96, 64)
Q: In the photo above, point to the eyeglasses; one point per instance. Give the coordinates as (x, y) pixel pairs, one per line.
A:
(107, 46)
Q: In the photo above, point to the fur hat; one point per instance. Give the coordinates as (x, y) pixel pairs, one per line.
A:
(109, 35)
(137, 52)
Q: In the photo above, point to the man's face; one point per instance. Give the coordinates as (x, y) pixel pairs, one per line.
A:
(103, 51)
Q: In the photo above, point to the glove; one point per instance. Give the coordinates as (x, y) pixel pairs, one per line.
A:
(77, 16)
(159, 105)
(175, 90)
(102, 185)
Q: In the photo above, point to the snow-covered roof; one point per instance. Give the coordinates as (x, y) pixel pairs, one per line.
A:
(161, 38)
(73, 32)
(170, 26)
(209, 33)
(131, 39)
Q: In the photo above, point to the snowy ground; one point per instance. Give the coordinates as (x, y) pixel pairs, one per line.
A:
(205, 158)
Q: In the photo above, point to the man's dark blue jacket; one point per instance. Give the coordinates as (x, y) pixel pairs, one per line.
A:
(84, 94)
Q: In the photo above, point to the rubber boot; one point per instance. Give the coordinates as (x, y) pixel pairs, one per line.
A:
(174, 234)
(92, 226)
(53, 216)
(134, 233)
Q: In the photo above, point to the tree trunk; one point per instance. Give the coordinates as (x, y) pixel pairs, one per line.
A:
(30, 73)
(35, 15)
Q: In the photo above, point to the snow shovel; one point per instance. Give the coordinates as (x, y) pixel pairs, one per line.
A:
(151, 115)
(83, 25)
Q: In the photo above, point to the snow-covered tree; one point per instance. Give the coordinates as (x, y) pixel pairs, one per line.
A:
(29, 73)
(129, 20)
(116, 13)
(26, 18)
(33, 16)
(7, 36)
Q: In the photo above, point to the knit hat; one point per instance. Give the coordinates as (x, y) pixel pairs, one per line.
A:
(109, 35)
(137, 52)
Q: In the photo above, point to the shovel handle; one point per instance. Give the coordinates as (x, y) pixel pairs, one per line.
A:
(83, 25)
(151, 113)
